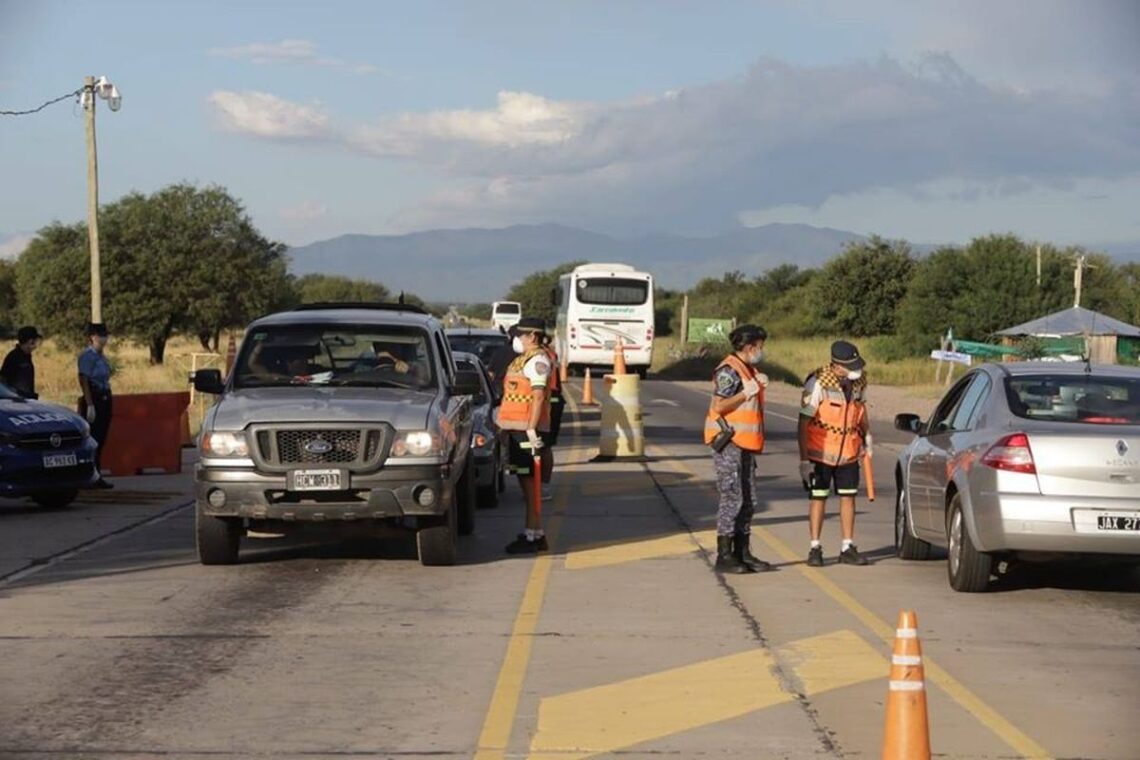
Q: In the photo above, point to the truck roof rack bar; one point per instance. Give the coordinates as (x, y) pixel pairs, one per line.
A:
(371, 305)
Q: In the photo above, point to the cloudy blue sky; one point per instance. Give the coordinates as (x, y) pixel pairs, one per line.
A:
(933, 121)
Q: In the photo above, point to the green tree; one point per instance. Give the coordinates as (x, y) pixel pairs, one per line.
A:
(480, 311)
(535, 293)
(53, 282)
(183, 259)
(9, 314)
(858, 292)
(992, 284)
(326, 288)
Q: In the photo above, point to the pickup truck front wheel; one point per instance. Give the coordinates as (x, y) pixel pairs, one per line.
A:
(218, 539)
(437, 539)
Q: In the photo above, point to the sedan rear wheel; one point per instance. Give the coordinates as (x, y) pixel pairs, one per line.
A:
(906, 545)
(969, 569)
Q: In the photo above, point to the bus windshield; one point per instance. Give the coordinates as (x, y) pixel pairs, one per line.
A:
(612, 291)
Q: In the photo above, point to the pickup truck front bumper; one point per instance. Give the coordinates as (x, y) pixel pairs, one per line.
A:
(393, 492)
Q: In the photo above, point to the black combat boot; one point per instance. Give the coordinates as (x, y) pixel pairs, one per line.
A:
(726, 561)
(742, 549)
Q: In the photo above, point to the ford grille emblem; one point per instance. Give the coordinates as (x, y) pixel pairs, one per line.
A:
(1121, 447)
(318, 446)
(56, 440)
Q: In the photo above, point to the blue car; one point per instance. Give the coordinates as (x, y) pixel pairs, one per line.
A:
(47, 453)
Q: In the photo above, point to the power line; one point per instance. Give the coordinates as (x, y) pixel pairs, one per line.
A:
(45, 105)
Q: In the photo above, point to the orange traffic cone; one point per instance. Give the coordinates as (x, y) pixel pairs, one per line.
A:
(564, 371)
(619, 358)
(908, 727)
(588, 390)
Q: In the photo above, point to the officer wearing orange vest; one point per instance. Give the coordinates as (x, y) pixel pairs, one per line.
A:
(834, 435)
(738, 400)
(525, 415)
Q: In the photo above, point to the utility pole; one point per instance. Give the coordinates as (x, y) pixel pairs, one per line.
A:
(685, 321)
(1078, 277)
(93, 201)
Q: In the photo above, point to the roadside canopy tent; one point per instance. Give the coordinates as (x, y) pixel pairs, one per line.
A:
(1106, 340)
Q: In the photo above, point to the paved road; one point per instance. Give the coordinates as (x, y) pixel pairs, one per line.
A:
(622, 641)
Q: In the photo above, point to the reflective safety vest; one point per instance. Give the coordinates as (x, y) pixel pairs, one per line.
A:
(747, 420)
(518, 396)
(835, 433)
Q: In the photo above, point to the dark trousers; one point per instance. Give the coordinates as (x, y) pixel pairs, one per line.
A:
(736, 484)
(101, 427)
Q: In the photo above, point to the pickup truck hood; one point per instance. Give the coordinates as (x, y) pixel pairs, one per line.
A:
(33, 417)
(402, 409)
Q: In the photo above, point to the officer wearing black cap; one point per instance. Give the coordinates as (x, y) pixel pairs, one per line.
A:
(525, 414)
(95, 382)
(19, 371)
(834, 435)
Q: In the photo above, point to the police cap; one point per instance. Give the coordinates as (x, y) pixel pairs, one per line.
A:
(846, 355)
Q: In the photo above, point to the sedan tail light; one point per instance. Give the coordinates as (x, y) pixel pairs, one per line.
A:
(1011, 453)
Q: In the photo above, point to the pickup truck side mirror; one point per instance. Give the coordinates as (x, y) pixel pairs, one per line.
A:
(209, 381)
(467, 383)
(908, 423)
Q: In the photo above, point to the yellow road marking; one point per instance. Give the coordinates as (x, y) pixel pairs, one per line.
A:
(500, 718)
(832, 661)
(653, 548)
(955, 689)
(608, 718)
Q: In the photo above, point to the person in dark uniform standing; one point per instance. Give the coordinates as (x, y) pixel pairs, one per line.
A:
(557, 407)
(19, 371)
(738, 401)
(95, 382)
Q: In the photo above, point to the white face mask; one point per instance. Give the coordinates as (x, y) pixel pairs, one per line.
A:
(756, 358)
(518, 346)
(855, 375)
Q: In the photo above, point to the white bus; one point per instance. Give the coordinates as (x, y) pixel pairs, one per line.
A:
(505, 314)
(598, 305)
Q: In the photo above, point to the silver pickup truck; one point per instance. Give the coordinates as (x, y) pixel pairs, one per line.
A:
(345, 414)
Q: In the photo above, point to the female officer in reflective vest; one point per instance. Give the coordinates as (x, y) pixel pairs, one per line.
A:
(525, 415)
(738, 399)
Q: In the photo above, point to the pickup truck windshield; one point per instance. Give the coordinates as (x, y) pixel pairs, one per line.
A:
(380, 356)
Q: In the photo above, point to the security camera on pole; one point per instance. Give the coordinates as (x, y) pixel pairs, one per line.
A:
(108, 92)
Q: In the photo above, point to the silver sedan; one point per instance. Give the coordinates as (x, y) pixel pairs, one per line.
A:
(1024, 459)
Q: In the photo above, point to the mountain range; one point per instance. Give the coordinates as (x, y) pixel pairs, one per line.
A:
(481, 265)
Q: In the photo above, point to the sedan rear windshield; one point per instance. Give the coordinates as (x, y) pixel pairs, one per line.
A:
(1089, 399)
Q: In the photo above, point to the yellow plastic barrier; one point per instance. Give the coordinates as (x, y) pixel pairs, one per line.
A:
(623, 433)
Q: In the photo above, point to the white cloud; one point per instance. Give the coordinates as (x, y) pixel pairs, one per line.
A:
(12, 246)
(263, 115)
(304, 212)
(694, 158)
(294, 52)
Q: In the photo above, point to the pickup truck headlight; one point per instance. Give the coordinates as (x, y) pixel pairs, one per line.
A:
(416, 443)
(225, 445)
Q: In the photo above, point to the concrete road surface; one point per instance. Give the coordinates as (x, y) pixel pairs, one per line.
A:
(114, 642)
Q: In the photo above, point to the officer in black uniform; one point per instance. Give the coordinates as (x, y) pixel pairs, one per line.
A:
(19, 371)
